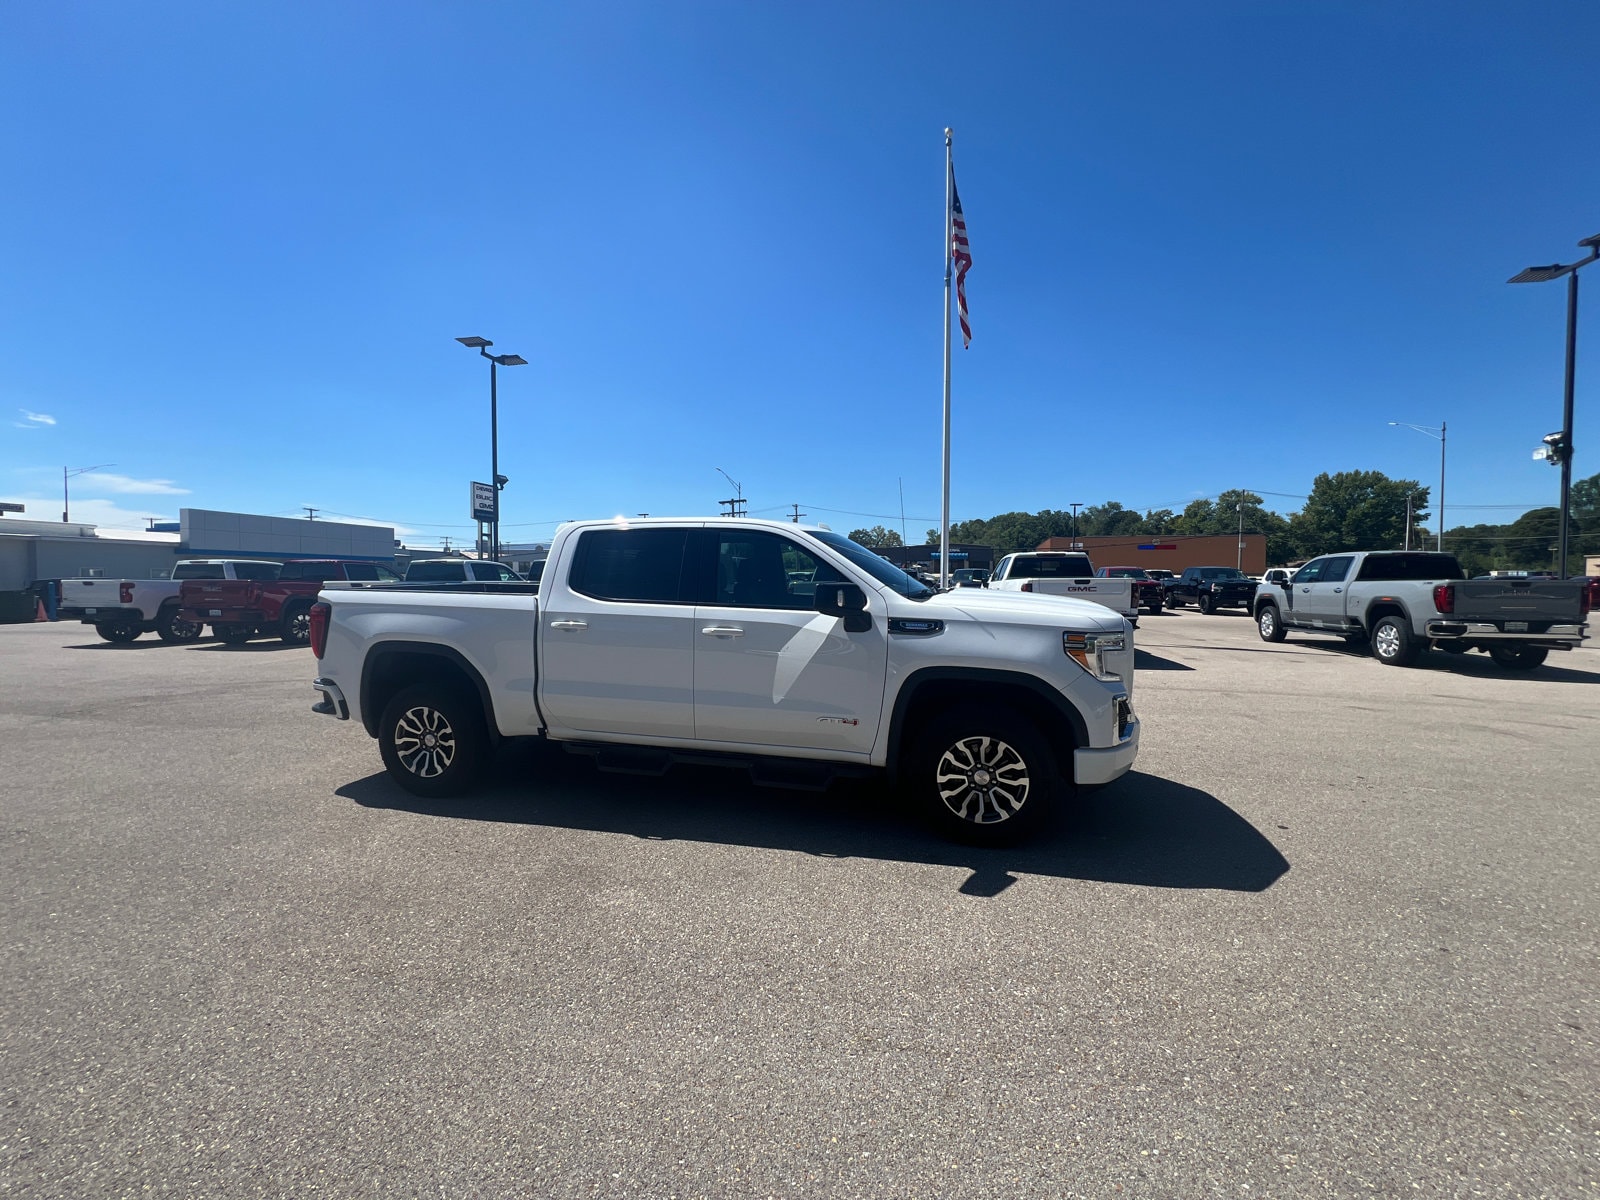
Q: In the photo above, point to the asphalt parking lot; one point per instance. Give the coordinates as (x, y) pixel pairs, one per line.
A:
(1335, 936)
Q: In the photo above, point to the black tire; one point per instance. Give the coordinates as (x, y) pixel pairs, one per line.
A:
(1451, 647)
(984, 776)
(1174, 600)
(1519, 658)
(296, 629)
(1392, 643)
(1152, 609)
(233, 635)
(1269, 624)
(170, 627)
(1207, 604)
(433, 740)
(120, 632)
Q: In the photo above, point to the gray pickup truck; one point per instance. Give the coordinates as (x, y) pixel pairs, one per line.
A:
(1403, 601)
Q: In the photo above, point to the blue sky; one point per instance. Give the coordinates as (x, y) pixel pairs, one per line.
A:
(1215, 245)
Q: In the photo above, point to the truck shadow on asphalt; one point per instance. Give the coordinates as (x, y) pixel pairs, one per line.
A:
(1143, 660)
(1141, 830)
(1471, 664)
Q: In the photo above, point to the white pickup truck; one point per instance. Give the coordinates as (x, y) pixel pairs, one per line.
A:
(1065, 573)
(788, 650)
(122, 609)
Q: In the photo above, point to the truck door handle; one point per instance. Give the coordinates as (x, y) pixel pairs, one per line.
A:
(1336, 590)
(723, 631)
(574, 625)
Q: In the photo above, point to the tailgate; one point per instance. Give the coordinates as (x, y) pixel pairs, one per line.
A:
(220, 594)
(91, 593)
(1543, 600)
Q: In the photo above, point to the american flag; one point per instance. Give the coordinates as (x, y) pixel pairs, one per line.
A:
(961, 255)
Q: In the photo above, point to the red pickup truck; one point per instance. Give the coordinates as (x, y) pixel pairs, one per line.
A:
(1147, 592)
(240, 609)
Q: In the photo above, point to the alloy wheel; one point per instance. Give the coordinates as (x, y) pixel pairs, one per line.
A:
(982, 780)
(424, 742)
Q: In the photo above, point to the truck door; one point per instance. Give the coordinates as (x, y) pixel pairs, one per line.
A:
(616, 631)
(1320, 603)
(769, 670)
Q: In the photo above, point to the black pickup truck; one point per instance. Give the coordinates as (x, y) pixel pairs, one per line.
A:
(1211, 588)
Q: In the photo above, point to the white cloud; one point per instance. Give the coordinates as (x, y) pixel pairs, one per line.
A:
(102, 481)
(33, 420)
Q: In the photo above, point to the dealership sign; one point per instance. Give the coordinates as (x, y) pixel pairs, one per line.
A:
(482, 502)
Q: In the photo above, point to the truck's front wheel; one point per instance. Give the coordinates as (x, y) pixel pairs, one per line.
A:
(433, 741)
(980, 775)
(1269, 624)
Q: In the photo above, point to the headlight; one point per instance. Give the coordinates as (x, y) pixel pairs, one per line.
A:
(1088, 650)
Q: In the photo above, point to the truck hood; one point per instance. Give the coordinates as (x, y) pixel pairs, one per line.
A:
(1012, 608)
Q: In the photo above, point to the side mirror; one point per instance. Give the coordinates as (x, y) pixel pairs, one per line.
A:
(845, 600)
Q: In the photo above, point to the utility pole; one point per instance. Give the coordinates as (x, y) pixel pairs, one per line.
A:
(1240, 507)
(1407, 544)
(311, 513)
(798, 514)
(1075, 507)
(736, 505)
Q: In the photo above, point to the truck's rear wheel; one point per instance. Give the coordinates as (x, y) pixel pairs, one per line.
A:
(1269, 624)
(170, 627)
(433, 741)
(1392, 643)
(982, 775)
(233, 635)
(1519, 658)
(121, 632)
(297, 626)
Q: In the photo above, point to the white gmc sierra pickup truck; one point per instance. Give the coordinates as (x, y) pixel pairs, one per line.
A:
(122, 609)
(789, 650)
(1065, 573)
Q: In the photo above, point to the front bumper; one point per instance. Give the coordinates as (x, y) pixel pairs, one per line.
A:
(333, 702)
(1096, 765)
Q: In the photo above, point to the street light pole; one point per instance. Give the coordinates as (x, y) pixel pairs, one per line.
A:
(1075, 507)
(66, 506)
(1438, 434)
(496, 480)
(1543, 275)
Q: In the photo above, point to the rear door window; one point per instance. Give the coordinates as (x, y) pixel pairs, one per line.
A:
(1335, 569)
(644, 566)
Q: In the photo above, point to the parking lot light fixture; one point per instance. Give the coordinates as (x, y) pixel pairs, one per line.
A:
(1439, 435)
(481, 345)
(66, 474)
(1545, 275)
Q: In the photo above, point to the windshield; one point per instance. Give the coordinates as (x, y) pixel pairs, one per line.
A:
(1222, 573)
(881, 569)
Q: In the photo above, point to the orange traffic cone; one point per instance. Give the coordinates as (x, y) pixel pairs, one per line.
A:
(41, 615)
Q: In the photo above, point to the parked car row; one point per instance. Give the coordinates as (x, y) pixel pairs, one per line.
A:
(241, 599)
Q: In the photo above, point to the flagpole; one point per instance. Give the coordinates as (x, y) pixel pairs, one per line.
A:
(944, 503)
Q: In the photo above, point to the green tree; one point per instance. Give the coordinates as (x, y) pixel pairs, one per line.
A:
(878, 537)
(1355, 510)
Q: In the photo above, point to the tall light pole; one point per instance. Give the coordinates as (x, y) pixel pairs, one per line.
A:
(1437, 434)
(1563, 447)
(66, 506)
(1075, 506)
(1240, 507)
(481, 345)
